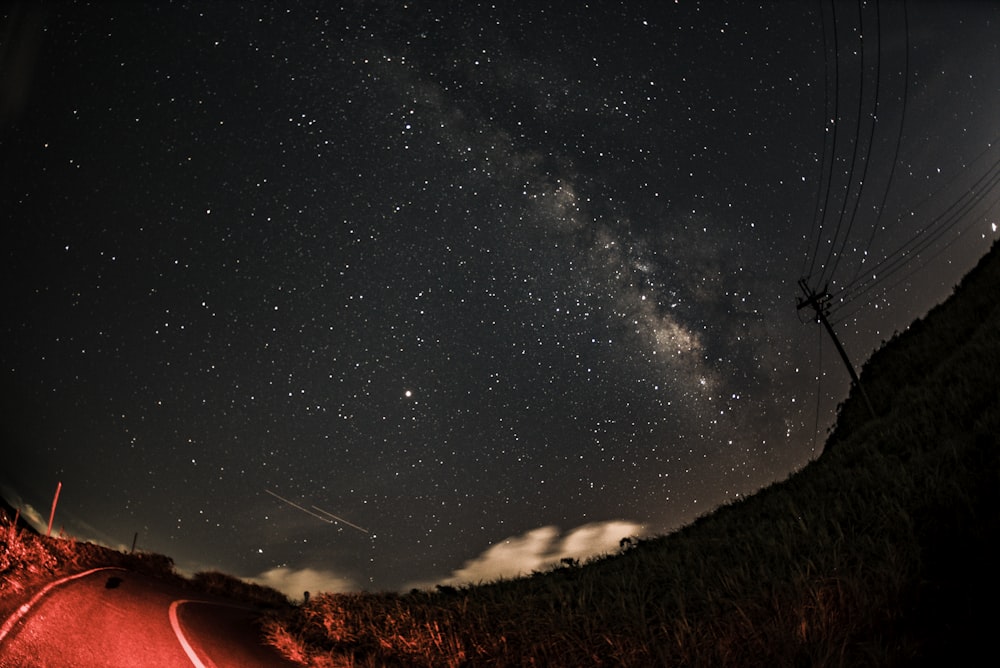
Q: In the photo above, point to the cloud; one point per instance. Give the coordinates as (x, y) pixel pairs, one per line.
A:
(294, 582)
(35, 518)
(28, 512)
(539, 549)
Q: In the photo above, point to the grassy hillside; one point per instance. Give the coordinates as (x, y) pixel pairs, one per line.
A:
(29, 561)
(879, 553)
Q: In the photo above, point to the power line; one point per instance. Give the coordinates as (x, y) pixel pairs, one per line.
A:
(819, 384)
(934, 230)
(816, 232)
(834, 119)
(899, 135)
(898, 264)
(914, 270)
(902, 261)
(854, 159)
(871, 133)
(933, 196)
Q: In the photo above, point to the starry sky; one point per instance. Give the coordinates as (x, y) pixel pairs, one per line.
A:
(372, 295)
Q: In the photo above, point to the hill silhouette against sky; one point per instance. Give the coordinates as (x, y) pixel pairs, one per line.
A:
(881, 552)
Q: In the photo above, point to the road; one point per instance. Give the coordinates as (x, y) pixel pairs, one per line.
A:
(118, 619)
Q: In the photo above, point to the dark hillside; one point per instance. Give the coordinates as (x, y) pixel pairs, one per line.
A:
(921, 355)
(936, 390)
(878, 554)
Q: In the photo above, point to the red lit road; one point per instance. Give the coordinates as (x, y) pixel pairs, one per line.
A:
(116, 619)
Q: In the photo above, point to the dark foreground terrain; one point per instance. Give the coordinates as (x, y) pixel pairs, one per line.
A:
(880, 553)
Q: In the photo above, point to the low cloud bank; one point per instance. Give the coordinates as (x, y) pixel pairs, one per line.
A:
(29, 513)
(539, 549)
(294, 583)
(35, 518)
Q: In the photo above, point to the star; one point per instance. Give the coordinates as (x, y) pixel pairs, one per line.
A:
(513, 276)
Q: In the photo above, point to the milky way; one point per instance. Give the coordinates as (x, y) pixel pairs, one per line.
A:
(385, 295)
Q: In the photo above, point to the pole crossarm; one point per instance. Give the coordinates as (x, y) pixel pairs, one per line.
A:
(817, 300)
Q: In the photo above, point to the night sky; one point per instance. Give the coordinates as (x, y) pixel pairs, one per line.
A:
(372, 295)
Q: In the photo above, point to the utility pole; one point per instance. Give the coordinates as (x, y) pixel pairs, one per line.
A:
(52, 514)
(820, 303)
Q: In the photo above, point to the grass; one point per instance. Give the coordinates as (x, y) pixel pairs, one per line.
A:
(29, 561)
(880, 553)
(877, 554)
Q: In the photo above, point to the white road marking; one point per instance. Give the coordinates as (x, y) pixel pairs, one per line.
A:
(12, 621)
(176, 625)
(23, 610)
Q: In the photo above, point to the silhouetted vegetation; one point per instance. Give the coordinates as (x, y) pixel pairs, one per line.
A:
(879, 553)
(29, 561)
(228, 586)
